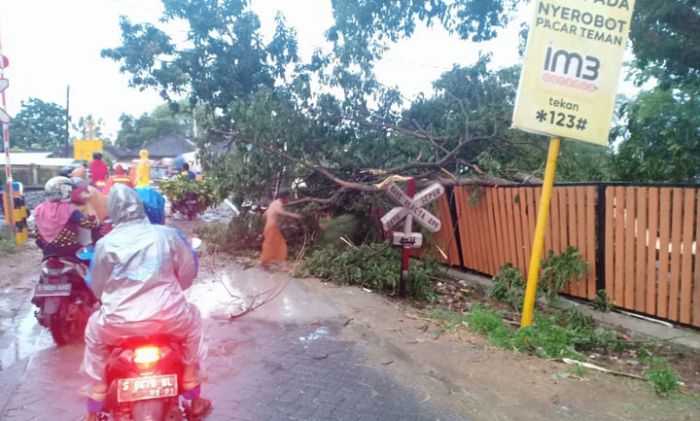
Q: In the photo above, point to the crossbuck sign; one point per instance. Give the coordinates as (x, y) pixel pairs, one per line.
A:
(410, 209)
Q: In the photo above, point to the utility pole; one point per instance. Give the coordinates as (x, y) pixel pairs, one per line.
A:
(65, 141)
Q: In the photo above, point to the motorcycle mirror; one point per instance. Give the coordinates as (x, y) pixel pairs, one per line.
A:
(195, 243)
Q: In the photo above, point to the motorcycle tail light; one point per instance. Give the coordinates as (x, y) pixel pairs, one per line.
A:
(54, 264)
(55, 279)
(146, 355)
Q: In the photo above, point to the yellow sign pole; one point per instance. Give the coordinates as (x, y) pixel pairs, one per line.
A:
(540, 228)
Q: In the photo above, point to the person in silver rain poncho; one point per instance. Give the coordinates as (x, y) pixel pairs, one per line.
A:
(139, 271)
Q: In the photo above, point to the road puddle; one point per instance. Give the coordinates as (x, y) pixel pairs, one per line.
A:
(21, 336)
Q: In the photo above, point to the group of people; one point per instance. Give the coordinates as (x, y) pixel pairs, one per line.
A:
(139, 272)
(139, 268)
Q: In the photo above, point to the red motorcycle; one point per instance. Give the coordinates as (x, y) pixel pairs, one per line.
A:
(65, 302)
(64, 298)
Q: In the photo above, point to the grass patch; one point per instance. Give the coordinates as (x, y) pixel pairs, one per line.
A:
(661, 376)
(448, 319)
(558, 335)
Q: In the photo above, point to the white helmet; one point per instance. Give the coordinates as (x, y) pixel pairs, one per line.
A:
(59, 189)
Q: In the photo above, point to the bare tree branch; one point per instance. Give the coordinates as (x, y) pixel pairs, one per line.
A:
(323, 171)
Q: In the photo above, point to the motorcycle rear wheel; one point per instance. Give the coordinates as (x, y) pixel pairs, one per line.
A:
(66, 328)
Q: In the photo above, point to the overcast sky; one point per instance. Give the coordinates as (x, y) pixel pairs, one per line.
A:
(51, 44)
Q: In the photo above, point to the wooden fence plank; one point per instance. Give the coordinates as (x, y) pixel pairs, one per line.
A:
(590, 242)
(548, 245)
(652, 240)
(554, 217)
(463, 227)
(676, 227)
(504, 226)
(696, 283)
(489, 236)
(630, 221)
(500, 243)
(531, 221)
(564, 226)
(479, 208)
(664, 242)
(511, 229)
(517, 221)
(619, 298)
(493, 238)
(641, 238)
(446, 235)
(609, 242)
(563, 220)
(473, 243)
(527, 240)
(572, 216)
(687, 256)
(473, 230)
(581, 236)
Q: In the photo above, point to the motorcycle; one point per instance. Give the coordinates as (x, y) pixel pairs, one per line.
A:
(145, 375)
(64, 300)
(187, 206)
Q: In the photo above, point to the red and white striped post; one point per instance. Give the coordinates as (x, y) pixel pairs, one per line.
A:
(5, 118)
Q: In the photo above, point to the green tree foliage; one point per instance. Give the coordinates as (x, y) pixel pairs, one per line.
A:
(39, 125)
(224, 58)
(279, 121)
(662, 137)
(164, 120)
(666, 39)
(659, 128)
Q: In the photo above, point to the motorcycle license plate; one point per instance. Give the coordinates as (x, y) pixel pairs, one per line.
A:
(52, 290)
(147, 387)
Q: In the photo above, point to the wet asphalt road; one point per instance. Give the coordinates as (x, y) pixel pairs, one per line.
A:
(284, 361)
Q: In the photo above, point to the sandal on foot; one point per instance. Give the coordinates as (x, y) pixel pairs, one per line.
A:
(203, 411)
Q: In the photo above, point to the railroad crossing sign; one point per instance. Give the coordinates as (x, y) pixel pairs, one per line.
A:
(410, 209)
(413, 207)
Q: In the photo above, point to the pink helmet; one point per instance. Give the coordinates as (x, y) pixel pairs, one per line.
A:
(80, 186)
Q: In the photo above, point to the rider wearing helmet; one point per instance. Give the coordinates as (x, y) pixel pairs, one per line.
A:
(58, 220)
(139, 272)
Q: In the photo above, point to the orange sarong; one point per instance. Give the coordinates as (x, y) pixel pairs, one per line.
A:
(274, 248)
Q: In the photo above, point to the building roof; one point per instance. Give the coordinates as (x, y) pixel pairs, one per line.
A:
(169, 146)
(38, 158)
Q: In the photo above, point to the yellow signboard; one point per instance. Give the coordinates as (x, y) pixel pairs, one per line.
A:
(83, 149)
(572, 67)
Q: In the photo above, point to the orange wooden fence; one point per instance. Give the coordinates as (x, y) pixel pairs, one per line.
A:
(652, 255)
(648, 243)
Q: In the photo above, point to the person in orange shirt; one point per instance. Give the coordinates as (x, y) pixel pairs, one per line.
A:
(120, 177)
(274, 247)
